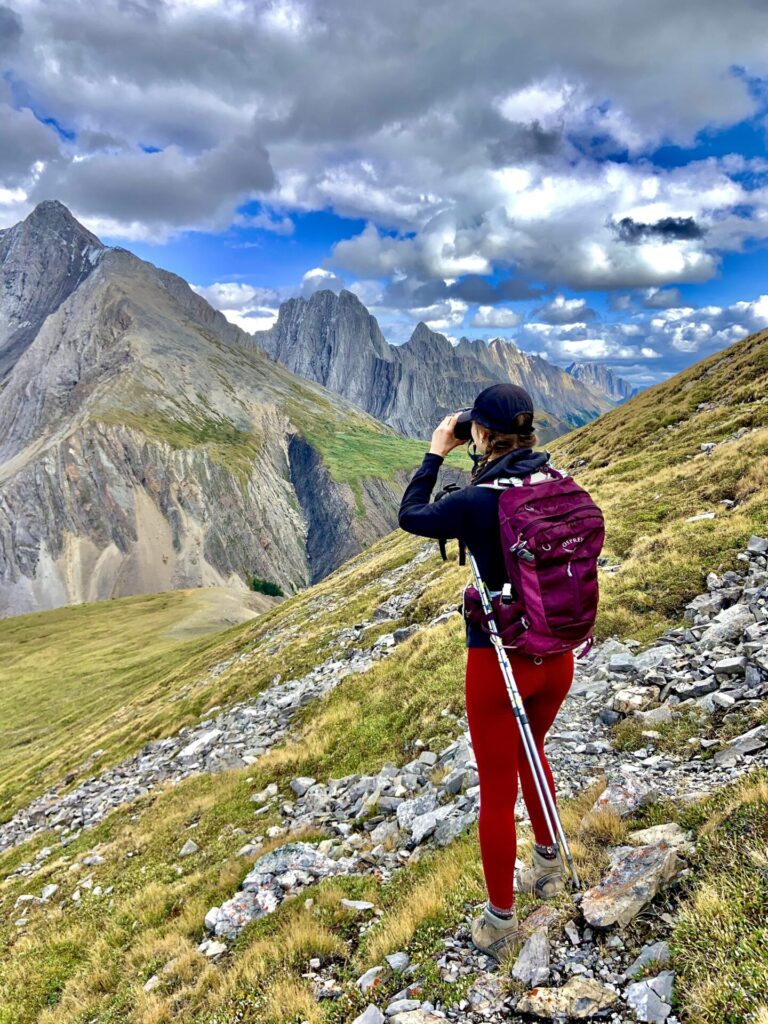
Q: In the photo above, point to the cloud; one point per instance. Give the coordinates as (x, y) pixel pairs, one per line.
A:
(441, 315)
(631, 231)
(488, 147)
(318, 278)
(266, 221)
(236, 295)
(173, 189)
(662, 298)
(565, 311)
(251, 309)
(11, 29)
(495, 316)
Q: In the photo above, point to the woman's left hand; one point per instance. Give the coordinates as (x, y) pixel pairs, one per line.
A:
(443, 438)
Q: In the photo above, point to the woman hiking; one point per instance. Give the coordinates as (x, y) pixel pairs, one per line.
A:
(502, 430)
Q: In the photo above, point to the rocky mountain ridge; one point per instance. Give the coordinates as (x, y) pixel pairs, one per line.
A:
(146, 444)
(603, 379)
(333, 339)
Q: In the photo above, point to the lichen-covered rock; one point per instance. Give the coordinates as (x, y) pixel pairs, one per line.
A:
(578, 999)
(637, 874)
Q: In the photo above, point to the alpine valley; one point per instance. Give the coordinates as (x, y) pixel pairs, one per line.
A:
(148, 444)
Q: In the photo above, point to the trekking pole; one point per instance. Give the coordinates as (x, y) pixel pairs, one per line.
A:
(548, 806)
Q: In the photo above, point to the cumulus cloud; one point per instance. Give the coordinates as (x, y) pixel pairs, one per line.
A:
(441, 316)
(662, 298)
(413, 147)
(250, 308)
(318, 278)
(565, 311)
(510, 169)
(495, 316)
(666, 337)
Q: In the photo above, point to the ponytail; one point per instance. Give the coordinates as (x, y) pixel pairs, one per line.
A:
(499, 443)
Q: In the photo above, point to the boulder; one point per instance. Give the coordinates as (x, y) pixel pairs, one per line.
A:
(727, 625)
(578, 999)
(625, 795)
(637, 874)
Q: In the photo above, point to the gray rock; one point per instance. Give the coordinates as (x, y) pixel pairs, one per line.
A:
(652, 657)
(653, 953)
(370, 1015)
(402, 1006)
(731, 666)
(532, 965)
(625, 795)
(727, 625)
(372, 978)
(188, 848)
(357, 905)
(398, 961)
(651, 998)
(301, 785)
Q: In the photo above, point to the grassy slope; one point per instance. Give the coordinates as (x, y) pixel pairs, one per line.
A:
(648, 479)
(71, 676)
(90, 963)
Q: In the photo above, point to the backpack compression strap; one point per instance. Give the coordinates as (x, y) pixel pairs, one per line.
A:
(448, 489)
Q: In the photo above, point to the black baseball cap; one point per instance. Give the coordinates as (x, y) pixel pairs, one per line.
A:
(497, 406)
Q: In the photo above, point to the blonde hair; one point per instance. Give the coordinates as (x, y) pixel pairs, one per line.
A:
(498, 443)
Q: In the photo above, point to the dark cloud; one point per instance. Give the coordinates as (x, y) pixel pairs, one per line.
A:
(23, 141)
(404, 293)
(668, 228)
(166, 188)
(10, 29)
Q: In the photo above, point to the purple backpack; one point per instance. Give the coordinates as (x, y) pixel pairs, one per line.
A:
(551, 534)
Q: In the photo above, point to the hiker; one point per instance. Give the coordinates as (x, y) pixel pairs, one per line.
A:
(502, 431)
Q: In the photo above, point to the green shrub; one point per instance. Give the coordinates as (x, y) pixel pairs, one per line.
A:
(265, 586)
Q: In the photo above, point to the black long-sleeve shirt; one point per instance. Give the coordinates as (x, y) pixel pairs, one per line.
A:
(471, 515)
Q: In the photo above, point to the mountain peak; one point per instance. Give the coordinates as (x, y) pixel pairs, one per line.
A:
(52, 217)
(424, 338)
(602, 379)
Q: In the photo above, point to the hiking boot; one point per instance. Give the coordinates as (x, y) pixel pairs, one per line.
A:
(496, 936)
(545, 879)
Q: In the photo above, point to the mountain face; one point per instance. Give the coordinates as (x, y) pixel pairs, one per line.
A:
(146, 444)
(43, 259)
(334, 340)
(604, 380)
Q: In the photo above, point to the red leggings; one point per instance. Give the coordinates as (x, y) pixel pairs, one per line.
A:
(500, 755)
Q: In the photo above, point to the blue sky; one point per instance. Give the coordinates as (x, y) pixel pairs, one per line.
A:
(588, 183)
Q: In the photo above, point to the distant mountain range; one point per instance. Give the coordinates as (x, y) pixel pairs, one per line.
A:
(333, 339)
(604, 380)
